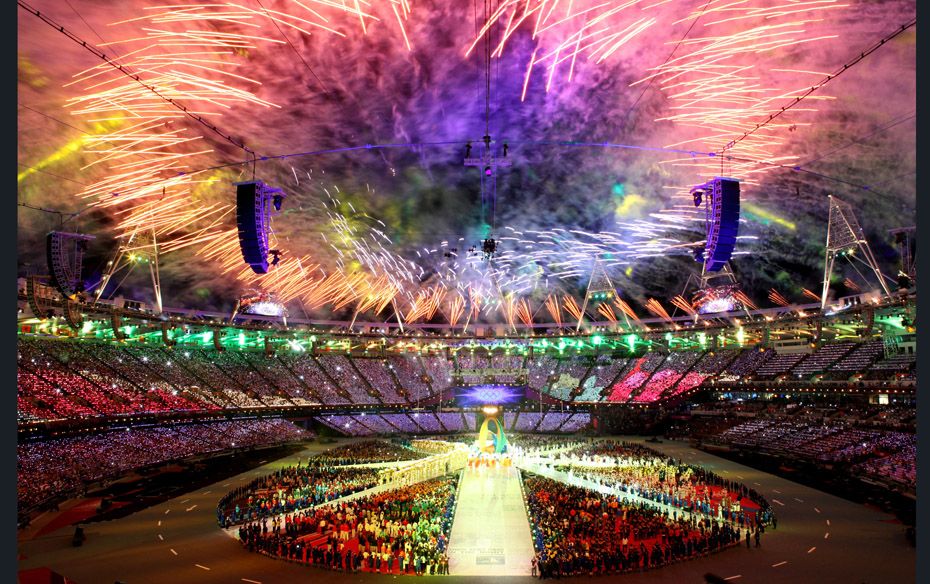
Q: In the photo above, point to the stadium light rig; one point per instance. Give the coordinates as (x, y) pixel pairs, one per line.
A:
(487, 160)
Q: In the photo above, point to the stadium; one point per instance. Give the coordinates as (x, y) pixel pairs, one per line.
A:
(353, 290)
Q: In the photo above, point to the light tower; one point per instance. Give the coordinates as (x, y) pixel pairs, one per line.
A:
(600, 289)
(844, 237)
(139, 249)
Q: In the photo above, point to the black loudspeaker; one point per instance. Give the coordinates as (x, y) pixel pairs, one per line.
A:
(724, 224)
(251, 217)
(64, 253)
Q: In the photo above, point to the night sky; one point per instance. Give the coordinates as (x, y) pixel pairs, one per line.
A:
(345, 87)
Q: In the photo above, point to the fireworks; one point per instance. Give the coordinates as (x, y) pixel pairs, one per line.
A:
(571, 307)
(684, 305)
(656, 308)
(625, 308)
(810, 295)
(607, 312)
(776, 298)
(456, 309)
(747, 303)
(524, 313)
(564, 32)
(426, 304)
(718, 88)
(156, 111)
(552, 305)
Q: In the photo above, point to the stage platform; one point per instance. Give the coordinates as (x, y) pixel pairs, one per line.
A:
(491, 532)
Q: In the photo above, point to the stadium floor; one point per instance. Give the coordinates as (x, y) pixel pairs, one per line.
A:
(820, 539)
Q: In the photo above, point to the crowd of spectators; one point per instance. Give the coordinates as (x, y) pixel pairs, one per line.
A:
(290, 388)
(635, 376)
(822, 358)
(411, 375)
(424, 422)
(860, 358)
(527, 421)
(378, 375)
(438, 369)
(672, 369)
(552, 422)
(576, 423)
(290, 489)
(853, 440)
(90, 378)
(646, 473)
(340, 369)
(367, 452)
(309, 372)
(507, 362)
(398, 531)
(600, 376)
(578, 532)
(746, 363)
(55, 468)
(405, 423)
(453, 422)
(540, 368)
(346, 424)
(778, 364)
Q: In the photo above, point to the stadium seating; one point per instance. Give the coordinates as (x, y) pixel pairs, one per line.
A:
(55, 468)
(778, 364)
(427, 422)
(439, 370)
(409, 372)
(860, 358)
(746, 364)
(635, 377)
(600, 376)
(672, 369)
(821, 359)
(527, 421)
(882, 455)
(380, 378)
(308, 371)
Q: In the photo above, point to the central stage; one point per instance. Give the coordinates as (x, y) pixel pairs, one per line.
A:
(490, 532)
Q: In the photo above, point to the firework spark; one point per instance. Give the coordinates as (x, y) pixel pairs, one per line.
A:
(776, 298)
(656, 308)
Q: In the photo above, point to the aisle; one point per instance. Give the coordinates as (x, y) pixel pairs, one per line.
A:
(490, 532)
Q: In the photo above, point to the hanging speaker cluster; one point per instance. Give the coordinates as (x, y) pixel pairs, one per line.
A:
(254, 204)
(721, 203)
(65, 255)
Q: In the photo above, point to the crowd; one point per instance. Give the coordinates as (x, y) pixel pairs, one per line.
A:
(554, 421)
(648, 474)
(341, 371)
(411, 375)
(367, 452)
(52, 469)
(90, 378)
(852, 441)
(668, 374)
(580, 532)
(379, 376)
(290, 489)
(634, 376)
(399, 531)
